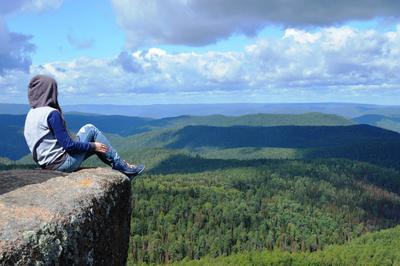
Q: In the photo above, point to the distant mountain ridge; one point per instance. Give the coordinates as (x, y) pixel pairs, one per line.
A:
(171, 110)
(13, 108)
(387, 122)
(312, 135)
(128, 125)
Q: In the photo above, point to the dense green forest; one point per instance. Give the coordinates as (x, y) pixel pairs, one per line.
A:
(219, 207)
(378, 248)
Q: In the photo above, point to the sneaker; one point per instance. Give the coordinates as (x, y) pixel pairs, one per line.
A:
(129, 170)
(140, 169)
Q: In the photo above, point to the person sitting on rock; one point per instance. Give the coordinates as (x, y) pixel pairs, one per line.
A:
(48, 139)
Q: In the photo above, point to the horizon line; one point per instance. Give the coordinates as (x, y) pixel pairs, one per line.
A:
(233, 103)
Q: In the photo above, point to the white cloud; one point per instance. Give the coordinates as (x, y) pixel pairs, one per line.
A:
(331, 64)
(301, 36)
(336, 38)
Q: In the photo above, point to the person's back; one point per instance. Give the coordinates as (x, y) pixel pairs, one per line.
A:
(41, 142)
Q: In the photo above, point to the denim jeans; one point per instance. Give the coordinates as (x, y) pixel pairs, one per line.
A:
(89, 133)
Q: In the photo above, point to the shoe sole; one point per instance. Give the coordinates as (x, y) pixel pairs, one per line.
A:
(136, 174)
(141, 170)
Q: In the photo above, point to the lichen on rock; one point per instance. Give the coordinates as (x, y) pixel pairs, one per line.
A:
(81, 218)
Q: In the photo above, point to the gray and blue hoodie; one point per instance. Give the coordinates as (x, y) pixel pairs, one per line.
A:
(45, 130)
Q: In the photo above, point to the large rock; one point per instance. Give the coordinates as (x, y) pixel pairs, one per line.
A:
(52, 218)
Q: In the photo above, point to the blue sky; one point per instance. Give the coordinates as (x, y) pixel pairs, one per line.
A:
(202, 51)
(90, 21)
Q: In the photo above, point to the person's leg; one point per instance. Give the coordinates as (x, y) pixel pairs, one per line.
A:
(90, 133)
(72, 162)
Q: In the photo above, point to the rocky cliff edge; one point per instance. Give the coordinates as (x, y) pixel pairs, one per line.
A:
(53, 218)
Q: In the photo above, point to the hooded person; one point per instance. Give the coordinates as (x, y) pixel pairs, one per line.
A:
(42, 91)
(43, 99)
(48, 139)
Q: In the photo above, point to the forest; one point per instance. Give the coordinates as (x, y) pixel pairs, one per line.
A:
(227, 208)
(378, 248)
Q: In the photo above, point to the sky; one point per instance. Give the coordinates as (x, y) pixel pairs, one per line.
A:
(139, 52)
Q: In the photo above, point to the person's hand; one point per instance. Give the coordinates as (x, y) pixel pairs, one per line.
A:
(100, 147)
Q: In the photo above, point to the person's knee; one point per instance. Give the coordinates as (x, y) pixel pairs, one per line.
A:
(87, 133)
(90, 126)
(87, 128)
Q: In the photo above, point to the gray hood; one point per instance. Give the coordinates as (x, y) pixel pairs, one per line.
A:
(42, 91)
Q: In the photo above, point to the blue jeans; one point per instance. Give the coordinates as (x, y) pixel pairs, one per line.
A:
(89, 133)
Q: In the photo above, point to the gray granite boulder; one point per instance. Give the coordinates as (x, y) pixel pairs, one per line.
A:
(53, 218)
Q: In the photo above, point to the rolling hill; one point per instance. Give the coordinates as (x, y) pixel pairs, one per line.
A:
(11, 126)
(279, 136)
(357, 142)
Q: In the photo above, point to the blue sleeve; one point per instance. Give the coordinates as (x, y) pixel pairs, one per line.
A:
(57, 126)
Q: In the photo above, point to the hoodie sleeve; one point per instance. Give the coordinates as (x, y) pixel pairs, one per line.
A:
(57, 126)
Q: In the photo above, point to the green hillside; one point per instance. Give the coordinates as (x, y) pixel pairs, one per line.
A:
(194, 137)
(279, 136)
(307, 119)
(358, 142)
